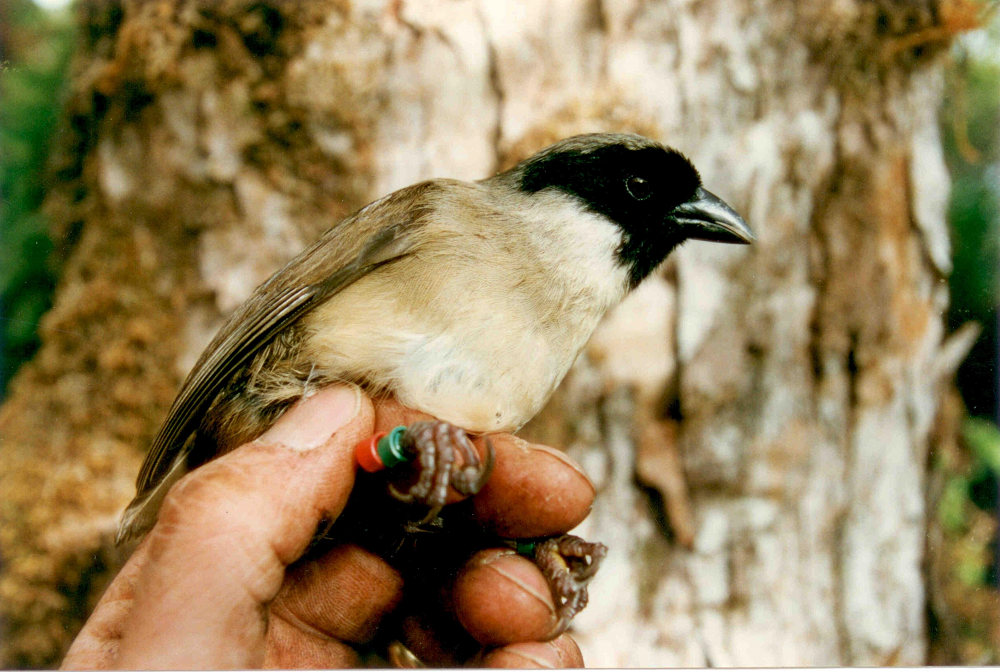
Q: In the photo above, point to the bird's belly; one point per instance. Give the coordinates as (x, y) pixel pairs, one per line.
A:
(476, 343)
(484, 375)
(481, 382)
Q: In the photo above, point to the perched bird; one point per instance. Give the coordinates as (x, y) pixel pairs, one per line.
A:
(466, 300)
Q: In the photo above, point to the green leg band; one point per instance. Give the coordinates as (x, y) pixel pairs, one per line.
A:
(526, 547)
(390, 448)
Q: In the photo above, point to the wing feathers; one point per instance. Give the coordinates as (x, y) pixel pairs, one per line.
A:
(208, 378)
(376, 235)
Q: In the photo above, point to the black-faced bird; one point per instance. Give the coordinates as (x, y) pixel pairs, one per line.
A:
(466, 300)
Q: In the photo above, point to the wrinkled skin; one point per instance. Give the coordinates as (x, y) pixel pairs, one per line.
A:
(231, 576)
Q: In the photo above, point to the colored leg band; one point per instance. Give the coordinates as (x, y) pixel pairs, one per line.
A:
(382, 451)
(526, 547)
(390, 448)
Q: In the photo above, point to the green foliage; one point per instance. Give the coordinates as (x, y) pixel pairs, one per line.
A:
(951, 506)
(971, 133)
(970, 567)
(983, 439)
(971, 124)
(973, 212)
(31, 84)
(972, 143)
(961, 517)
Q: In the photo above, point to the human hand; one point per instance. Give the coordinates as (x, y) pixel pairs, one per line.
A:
(219, 582)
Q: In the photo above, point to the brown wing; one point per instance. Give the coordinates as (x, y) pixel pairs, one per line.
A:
(376, 235)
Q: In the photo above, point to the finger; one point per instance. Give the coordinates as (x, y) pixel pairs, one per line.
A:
(561, 652)
(534, 490)
(436, 638)
(227, 531)
(501, 598)
(96, 645)
(289, 646)
(342, 595)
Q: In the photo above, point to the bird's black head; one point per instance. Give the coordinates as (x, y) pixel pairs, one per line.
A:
(652, 192)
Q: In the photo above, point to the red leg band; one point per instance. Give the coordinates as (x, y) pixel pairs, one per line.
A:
(366, 453)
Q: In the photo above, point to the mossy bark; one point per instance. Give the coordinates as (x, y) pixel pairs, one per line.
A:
(776, 401)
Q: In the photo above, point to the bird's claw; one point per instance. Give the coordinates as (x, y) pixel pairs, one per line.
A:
(568, 564)
(435, 445)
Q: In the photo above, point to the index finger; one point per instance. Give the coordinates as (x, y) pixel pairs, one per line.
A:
(534, 490)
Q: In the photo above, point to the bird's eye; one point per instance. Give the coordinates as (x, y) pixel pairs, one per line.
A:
(640, 189)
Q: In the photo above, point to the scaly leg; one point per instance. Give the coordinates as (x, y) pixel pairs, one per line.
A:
(434, 445)
(568, 564)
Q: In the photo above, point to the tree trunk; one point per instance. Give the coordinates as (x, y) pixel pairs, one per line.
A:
(756, 419)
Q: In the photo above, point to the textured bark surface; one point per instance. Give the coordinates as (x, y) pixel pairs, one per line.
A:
(756, 419)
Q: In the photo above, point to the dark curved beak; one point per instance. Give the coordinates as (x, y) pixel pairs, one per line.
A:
(707, 217)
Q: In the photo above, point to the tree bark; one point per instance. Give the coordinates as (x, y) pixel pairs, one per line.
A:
(756, 419)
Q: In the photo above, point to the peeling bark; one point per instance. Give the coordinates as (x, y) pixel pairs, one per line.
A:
(786, 391)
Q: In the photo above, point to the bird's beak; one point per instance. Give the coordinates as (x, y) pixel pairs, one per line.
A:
(707, 217)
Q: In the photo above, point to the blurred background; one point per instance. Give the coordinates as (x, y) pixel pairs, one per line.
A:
(795, 445)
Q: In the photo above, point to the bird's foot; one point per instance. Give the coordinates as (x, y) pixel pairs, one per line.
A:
(435, 447)
(568, 563)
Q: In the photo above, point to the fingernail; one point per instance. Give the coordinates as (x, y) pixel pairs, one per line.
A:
(497, 561)
(312, 421)
(488, 557)
(565, 459)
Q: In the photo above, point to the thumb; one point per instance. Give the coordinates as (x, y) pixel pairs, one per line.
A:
(312, 422)
(227, 531)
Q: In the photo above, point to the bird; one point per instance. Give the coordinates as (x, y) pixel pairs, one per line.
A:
(467, 300)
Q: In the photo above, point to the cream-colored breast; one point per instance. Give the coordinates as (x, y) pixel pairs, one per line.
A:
(480, 325)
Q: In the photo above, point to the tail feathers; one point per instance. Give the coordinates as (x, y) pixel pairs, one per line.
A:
(140, 515)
